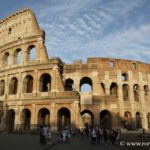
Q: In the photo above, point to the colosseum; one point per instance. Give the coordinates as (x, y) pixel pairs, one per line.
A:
(36, 89)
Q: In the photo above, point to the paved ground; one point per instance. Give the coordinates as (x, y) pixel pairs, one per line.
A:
(31, 142)
(76, 143)
(22, 142)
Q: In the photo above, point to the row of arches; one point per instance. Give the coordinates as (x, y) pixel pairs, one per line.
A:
(87, 85)
(16, 57)
(45, 84)
(43, 118)
(64, 119)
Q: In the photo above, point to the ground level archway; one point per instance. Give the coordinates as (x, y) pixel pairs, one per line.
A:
(43, 117)
(63, 118)
(25, 119)
(105, 119)
(10, 120)
(87, 118)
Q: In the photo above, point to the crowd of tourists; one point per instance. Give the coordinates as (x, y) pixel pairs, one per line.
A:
(98, 135)
(94, 135)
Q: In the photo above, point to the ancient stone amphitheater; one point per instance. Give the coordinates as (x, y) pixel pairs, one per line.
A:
(35, 89)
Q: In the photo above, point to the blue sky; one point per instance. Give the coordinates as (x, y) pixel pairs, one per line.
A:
(77, 29)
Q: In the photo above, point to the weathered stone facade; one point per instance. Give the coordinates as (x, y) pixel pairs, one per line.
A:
(35, 89)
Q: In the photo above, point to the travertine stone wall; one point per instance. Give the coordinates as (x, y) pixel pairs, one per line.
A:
(19, 33)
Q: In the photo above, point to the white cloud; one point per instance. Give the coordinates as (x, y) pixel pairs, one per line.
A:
(83, 28)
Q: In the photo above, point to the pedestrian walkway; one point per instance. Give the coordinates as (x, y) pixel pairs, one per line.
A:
(77, 143)
(23, 142)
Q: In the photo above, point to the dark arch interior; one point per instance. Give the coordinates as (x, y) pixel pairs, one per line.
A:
(105, 119)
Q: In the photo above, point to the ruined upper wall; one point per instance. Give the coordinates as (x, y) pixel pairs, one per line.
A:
(109, 64)
(19, 25)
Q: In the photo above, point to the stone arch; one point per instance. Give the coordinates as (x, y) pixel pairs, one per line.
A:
(125, 91)
(136, 90)
(45, 82)
(25, 119)
(146, 90)
(114, 89)
(69, 84)
(138, 120)
(17, 57)
(43, 117)
(86, 84)
(148, 120)
(31, 53)
(63, 118)
(105, 119)
(2, 87)
(88, 118)
(28, 84)
(13, 86)
(6, 59)
(124, 77)
(103, 87)
(128, 121)
(10, 120)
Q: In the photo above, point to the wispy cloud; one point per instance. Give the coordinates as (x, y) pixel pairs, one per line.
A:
(83, 28)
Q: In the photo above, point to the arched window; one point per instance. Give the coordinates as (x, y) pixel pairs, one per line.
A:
(138, 119)
(103, 87)
(31, 53)
(128, 120)
(6, 59)
(86, 84)
(17, 56)
(136, 92)
(125, 90)
(146, 90)
(69, 85)
(13, 85)
(45, 82)
(124, 77)
(114, 89)
(28, 84)
(2, 87)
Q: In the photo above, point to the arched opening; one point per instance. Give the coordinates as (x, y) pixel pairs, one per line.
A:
(10, 120)
(6, 59)
(114, 89)
(128, 120)
(138, 120)
(1, 115)
(63, 118)
(87, 118)
(103, 87)
(28, 84)
(105, 119)
(13, 85)
(25, 119)
(2, 87)
(146, 92)
(86, 84)
(69, 85)
(124, 77)
(136, 92)
(31, 53)
(17, 56)
(45, 82)
(125, 90)
(148, 120)
(43, 117)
